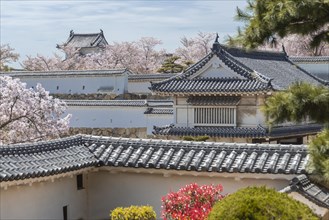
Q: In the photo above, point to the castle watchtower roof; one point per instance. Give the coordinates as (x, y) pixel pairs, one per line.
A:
(85, 40)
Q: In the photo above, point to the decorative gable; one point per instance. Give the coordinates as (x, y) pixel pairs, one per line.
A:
(215, 68)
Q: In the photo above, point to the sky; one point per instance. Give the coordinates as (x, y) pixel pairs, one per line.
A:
(35, 27)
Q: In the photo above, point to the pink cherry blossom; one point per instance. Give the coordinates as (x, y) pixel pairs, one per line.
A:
(28, 115)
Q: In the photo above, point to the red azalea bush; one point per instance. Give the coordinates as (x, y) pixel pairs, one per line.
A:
(191, 202)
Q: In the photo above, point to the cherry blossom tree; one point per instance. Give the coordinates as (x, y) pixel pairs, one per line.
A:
(193, 49)
(7, 55)
(140, 57)
(28, 115)
(297, 45)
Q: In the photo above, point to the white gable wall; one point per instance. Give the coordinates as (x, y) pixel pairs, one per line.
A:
(217, 69)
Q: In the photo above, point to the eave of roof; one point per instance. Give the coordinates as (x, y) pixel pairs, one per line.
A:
(211, 86)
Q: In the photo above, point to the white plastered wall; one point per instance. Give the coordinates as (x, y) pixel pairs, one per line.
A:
(116, 84)
(109, 190)
(44, 200)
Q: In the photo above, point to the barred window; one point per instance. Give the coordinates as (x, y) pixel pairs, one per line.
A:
(225, 116)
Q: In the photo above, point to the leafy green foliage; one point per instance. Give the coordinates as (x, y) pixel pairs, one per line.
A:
(259, 203)
(133, 213)
(198, 138)
(299, 102)
(170, 66)
(319, 157)
(267, 19)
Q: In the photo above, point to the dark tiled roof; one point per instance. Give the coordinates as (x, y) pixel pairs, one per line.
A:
(149, 77)
(67, 73)
(294, 130)
(44, 159)
(310, 59)
(85, 40)
(70, 154)
(168, 111)
(134, 103)
(315, 193)
(214, 100)
(269, 68)
(210, 86)
(275, 66)
(239, 132)
(199, 156)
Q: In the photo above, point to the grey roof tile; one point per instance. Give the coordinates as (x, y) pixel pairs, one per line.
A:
(312, 191)
(136, 102)
(210, 86)
(310, 59)
(269, 68)
(131, 103)
(171, 130)
(53, 73)
(250, 132)
(149, 77)
(159, 111)
(69, 154)
(85, 40)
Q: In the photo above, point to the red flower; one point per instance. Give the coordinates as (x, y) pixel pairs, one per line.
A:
(191, 202)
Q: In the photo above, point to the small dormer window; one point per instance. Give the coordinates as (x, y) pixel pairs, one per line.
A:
(57, 87)
(83, 87)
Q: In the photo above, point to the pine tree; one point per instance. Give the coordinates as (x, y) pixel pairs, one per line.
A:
(170, 66)
(299, 102)
(265, 20)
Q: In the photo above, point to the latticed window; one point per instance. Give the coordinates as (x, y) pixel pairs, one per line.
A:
(225, 116)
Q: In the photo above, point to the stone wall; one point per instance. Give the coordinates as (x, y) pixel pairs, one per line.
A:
(114, 132)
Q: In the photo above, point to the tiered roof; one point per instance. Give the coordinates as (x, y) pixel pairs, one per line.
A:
(42, 159)
(256, 72)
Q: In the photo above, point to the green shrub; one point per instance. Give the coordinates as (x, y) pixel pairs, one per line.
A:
(133, 213)
(260, 203)
(198, 138)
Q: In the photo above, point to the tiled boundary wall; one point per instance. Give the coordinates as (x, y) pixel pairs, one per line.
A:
(114, 132)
